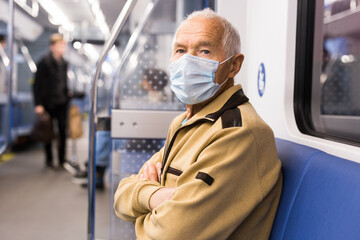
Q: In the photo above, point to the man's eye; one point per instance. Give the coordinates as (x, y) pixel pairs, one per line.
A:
(180, 51)
(205, 51)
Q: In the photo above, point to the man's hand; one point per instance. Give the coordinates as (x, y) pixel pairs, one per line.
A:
(151, 172)
(39, 109)
(160, 196)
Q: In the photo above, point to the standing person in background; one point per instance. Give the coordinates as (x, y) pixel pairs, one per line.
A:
(51, 93)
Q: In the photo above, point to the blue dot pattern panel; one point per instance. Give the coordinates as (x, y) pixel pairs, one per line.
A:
(135, 152)
(132, 162)
(130, 157)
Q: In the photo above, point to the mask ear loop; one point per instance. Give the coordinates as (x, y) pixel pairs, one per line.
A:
(222, 63)
(223, 83)
(226, 60)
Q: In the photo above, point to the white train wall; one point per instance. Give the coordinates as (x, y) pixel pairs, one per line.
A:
(268, 35)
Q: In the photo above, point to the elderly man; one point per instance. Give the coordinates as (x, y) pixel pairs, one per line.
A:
(218, 175)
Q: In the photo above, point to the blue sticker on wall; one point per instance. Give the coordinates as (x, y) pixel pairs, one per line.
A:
(261, 79)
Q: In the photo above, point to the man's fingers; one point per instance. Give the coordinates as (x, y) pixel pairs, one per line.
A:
(158, 170)
(144, 174)
(152, 172)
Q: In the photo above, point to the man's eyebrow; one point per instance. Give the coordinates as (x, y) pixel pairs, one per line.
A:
(199, 44)
(204, 44)
(177, 44)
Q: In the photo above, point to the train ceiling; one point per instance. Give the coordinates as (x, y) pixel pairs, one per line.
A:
(93, 17)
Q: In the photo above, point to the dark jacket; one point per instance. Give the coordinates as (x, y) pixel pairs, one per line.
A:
(50, 87)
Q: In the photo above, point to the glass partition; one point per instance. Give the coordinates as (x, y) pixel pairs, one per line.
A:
(142, 83)
(128, 157)
(141, 92)
(142, 79)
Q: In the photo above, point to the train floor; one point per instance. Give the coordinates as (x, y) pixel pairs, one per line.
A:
(38, 203)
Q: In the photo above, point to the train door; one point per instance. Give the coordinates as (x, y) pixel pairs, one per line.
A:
(6, 68)
(17, 114)
(16, 70)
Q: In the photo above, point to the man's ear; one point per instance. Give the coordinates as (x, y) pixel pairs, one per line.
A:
(236, 63)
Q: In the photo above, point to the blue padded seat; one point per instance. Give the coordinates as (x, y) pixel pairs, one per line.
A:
(320, 198)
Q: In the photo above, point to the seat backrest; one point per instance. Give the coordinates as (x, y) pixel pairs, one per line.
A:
(321, 195)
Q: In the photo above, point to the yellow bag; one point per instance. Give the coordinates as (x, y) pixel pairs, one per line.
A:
(75, 122)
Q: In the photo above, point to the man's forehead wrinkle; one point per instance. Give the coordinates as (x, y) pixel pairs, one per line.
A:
(212, 25)
(197, 44)
(199, 32)
(205, 43)
(207, 36)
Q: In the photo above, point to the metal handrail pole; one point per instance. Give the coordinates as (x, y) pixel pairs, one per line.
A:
(25, 52)
(129, 5)
(133, 39)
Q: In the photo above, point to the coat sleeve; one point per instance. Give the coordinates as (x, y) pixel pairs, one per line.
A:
(213, 204)
(132, 196)
(67, 91)
(39, 82)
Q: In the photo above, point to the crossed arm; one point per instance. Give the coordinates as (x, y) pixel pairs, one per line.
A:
(195, 209)
(152, 173)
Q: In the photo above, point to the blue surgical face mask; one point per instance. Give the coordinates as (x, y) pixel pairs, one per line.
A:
(192, 78)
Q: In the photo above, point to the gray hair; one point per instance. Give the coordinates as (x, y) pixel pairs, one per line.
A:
(231, 39)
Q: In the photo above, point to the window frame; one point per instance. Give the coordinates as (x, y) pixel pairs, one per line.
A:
(309, 36)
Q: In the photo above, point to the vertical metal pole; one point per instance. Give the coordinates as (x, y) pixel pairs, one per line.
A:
(9, 69)
(205, 3)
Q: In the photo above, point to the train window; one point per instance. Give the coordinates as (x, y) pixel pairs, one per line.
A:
(327, 75)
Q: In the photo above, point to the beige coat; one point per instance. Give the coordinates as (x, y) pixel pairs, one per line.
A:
(224, 165)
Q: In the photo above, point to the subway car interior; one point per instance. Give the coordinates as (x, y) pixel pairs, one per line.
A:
(301, 72)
